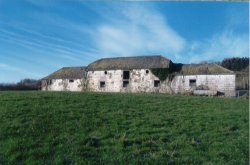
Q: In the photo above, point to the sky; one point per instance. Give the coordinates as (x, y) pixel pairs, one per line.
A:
(38, 37)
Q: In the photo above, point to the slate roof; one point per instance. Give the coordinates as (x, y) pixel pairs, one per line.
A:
(126, 63)
(195, 69)
(139, 62)
(68, 73)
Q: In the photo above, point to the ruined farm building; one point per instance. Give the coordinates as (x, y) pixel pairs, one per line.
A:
(65, 79)
(143, 74)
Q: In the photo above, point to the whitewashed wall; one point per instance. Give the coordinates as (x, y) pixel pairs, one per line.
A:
(222, 83)
(144, 82)
(139, 81)
(113, 80)
(64, 85)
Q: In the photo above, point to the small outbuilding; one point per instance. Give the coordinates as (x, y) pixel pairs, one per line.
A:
(66, 79)
(203, 79)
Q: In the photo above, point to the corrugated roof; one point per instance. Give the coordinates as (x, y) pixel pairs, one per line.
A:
(195, 69)
(68, 73)
(126, 63)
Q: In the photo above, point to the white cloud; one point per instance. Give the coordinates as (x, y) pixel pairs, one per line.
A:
(37, 44)
(18, 70)
(219, 46)
(137, 30)
(125, 30)
(3, 65)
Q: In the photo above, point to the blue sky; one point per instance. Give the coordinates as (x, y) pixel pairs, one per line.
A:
(38, 37)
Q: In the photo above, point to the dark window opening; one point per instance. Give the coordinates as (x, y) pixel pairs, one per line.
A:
(102, 84)
(125, 74)
(220, 93)
(49, 82)
(147, 71)
(105, 72)
(192, 83)
(71, 81)
(157, 83)
(125, 83)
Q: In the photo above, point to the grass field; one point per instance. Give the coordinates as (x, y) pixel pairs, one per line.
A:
(105, 128)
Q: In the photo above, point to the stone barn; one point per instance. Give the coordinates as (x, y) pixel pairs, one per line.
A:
(66, 79)
(127, 74)
(203, 79)
(144, 74)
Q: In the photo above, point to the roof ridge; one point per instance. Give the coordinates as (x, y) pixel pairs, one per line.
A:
(224, 68)
(74, 67)
(131, 57)
(67, 72)
(136, 62)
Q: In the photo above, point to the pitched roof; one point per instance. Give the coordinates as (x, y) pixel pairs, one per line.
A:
(68, 73)
(139, 62)
(194, 69)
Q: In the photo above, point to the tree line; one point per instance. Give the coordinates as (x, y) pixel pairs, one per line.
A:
(235, 63)
(25, 84)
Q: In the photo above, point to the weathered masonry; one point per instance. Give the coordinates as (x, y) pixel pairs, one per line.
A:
(127, 74)
(143, 74)
(66, 79)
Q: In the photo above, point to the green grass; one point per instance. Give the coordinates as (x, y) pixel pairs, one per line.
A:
(105, 128)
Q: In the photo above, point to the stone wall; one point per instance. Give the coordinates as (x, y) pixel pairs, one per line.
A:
(221, 83)
(63, 85)
(141, 80)
(112, 79)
